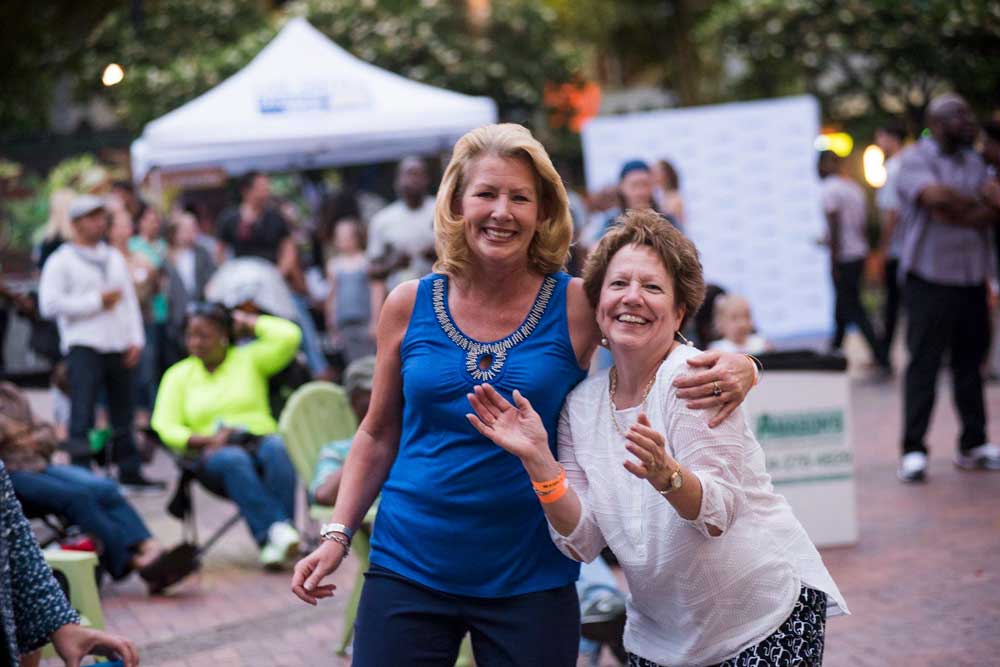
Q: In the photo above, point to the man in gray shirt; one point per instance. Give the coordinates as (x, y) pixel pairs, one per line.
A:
(945, 263)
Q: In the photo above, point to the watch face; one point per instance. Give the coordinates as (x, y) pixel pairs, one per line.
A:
(676, 481)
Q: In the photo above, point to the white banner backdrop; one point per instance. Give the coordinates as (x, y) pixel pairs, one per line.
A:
(751, 199)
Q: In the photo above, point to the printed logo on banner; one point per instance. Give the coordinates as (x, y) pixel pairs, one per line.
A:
(317, 96)
(804, 446)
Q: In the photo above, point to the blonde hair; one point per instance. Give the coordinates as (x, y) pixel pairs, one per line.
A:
(550, 245)
(646, 227)
(59, 222)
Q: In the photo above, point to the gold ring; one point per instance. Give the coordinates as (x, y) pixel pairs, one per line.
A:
(716, 389)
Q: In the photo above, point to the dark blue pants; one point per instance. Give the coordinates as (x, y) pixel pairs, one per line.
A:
(89, 371)
(89, 501)
(405, 624)
(264, 497)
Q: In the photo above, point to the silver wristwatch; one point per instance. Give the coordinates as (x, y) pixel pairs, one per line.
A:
(327, 529)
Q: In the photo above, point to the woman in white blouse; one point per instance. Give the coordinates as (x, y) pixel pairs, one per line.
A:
(719, 569)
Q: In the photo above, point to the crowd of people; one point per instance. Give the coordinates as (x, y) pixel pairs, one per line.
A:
(480, 385)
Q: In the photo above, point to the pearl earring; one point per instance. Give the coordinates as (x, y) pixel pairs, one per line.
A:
(604, 341)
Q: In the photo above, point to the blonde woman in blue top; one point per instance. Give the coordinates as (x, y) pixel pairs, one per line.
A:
(460, 543)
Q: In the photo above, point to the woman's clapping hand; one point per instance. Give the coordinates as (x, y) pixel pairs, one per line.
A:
(517, 428)
(649, 447)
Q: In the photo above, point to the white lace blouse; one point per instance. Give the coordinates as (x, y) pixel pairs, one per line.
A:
(694, 599)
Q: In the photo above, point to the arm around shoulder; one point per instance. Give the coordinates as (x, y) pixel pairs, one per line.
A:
(583, 331)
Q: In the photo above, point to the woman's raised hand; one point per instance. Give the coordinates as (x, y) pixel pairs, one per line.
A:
(650, 448)
(312, 569)
(517, 428)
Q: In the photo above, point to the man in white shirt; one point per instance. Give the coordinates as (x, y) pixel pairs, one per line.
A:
(846, 212)
(401, 236)
(86, 287)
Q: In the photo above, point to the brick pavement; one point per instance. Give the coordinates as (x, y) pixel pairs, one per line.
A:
(922, 583)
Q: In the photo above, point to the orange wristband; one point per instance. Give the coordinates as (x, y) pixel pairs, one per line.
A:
(554, 495)
(550, 484)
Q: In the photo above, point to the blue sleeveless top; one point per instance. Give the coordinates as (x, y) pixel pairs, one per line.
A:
(458, 513)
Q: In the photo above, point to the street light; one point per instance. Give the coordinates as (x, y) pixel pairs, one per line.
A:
(113, 74)
(873, 160)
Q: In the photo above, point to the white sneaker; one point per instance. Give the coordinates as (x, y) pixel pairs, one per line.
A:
(983, 457)
(282, 543)
(912, 467)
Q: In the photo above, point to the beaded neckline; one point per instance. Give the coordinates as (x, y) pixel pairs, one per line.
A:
(496, 351)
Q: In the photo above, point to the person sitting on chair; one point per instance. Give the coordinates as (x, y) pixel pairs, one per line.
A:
(213, 406)
(33, 609)
(85, 499)
(358, 384)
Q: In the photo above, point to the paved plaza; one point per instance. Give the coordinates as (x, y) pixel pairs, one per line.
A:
(922, 582)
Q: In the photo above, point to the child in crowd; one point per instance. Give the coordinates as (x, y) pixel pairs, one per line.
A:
(349, 304)
(734, 322)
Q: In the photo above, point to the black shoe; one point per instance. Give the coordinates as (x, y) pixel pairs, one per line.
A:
(139, 485)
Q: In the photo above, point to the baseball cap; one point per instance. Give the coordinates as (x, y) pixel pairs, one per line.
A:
(84, 204)
(359, 374)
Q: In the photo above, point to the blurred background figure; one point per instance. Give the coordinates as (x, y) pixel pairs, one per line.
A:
(351, 298)
(947, 260)
(87, 285)
(58, 229)
(734, 322)
(401, 236)
(846, 210)
(213, 407)
(146, 283)
(667, 192)
(358, 385)
(188, 268)
(890, 138)
(257, 228)
(148, 242)
(33, 609)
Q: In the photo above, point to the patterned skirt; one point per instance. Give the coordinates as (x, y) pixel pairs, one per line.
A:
(797, 643)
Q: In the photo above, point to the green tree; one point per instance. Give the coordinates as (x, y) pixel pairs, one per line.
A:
(184, 47)
(39, 43)
(640, 41)
(862, 59)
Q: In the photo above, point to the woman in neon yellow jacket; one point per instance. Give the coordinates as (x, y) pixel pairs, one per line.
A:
(213, 402)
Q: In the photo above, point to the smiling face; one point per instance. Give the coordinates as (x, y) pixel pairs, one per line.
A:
(500, 208)
(637, 310)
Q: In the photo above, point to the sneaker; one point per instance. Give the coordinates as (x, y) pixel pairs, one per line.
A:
(282, 544)
(139, 486)
(913, 467)
(983, 457)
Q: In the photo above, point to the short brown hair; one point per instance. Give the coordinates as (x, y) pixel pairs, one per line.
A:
(646, 227)
(550, 245)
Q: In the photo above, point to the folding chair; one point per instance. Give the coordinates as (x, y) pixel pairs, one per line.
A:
(181, 505)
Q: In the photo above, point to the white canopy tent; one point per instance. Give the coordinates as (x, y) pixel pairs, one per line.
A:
(304, 102)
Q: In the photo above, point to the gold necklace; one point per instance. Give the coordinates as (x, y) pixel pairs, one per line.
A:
(613, 386)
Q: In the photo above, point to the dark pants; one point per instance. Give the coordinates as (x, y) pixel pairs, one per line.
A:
(89, 501)
(848, 309)
(404, 624)
(262, 483)
(89, 371)
(944, 319)
(893, 300)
